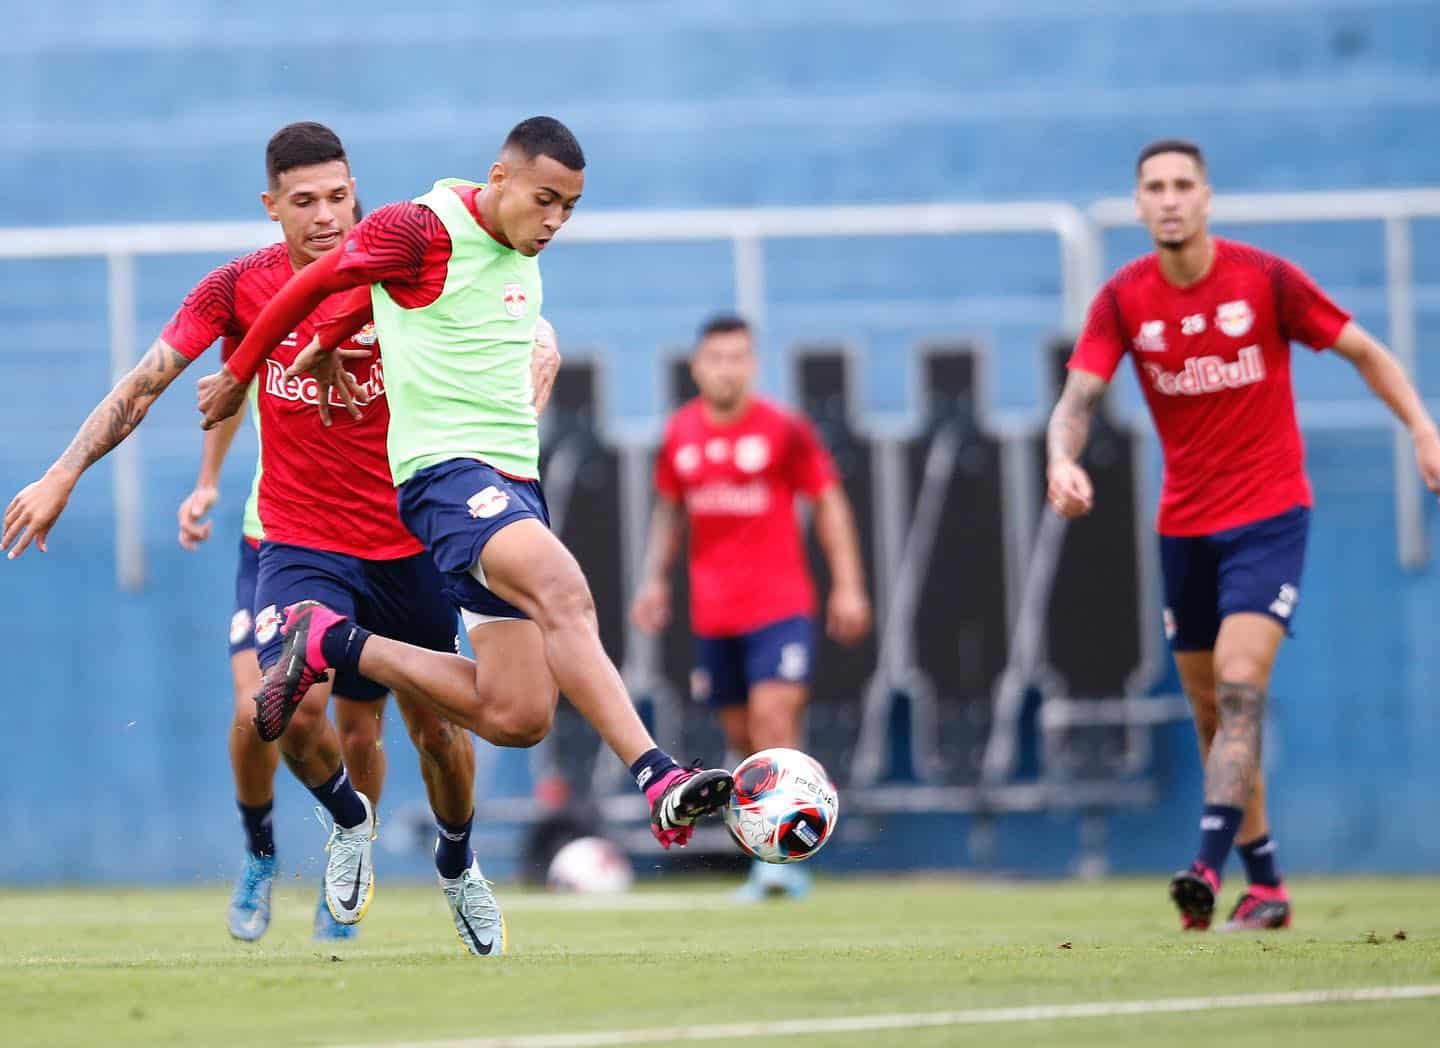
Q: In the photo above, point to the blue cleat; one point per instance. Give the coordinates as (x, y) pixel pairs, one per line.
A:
(248, 914)
(774, 881)
(327, 928)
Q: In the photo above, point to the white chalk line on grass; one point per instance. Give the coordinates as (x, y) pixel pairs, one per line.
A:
(917, 1020)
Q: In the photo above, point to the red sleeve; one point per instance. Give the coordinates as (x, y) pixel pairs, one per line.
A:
(390, 246)
(283, 313)
(667, 481)
(207, 313)
(811, 466)
(1306, 313)
(356, 310)
(1102, 343)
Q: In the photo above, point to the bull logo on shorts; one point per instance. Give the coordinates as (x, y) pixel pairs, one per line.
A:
(240, 626)
(514, 300)
(794, 662)
(267, 623)
(485, 504)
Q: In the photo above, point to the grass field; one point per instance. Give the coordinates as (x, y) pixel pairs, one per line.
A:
(156, 968)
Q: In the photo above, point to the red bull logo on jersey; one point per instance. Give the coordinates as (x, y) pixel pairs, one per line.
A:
(305, 391)
(514, 298)
(1151, 337)
(1209, 374)
(1235, 318)
(366, 336)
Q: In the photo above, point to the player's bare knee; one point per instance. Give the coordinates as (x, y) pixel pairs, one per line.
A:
(519, 725)
(438, 742)
(563, 600)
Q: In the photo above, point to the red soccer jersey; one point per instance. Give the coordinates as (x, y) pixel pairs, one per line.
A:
(1213, 361)
(321, 488)
(738, 483)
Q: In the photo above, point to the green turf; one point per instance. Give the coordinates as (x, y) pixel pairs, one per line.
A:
(156, 968)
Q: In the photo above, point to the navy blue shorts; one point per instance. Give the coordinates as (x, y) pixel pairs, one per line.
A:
(401, 599)
(726, 668)
(454, 508)
(1255, 568)
(242, 620)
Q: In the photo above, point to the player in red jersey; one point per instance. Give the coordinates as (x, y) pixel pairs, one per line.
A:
(731, 466)
(1208, 325)
(329, 513)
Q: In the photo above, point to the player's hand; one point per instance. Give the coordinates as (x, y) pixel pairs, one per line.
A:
(1427, 457)
(847, 615)
(34, 511)
(194, 529)
(651, 610)
(1070, 493)
(544, 363)
(327, 368)
(218, 396)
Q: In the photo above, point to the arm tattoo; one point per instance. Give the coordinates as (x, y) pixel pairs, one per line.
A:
(1235, 754)
(1069, 427)
(115, 417)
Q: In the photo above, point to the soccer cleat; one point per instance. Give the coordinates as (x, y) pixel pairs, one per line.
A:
(248, 914)
(1193, 892)
(774, 881)
(1261, 908)
(478, 920)
(349, 873)
(326, 927)
(683, 795)
(300, 667)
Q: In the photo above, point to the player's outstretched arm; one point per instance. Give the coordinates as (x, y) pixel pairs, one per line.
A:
(33, 512)
(1383, 374)
(1070, 492)
(651, 609)
(847, 615)
(220, 395)
(194, 528)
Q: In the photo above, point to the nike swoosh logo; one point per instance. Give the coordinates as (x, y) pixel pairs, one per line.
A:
(482, 948)
(349, 904)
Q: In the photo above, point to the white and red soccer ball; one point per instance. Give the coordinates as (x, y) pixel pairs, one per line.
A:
(784, 806)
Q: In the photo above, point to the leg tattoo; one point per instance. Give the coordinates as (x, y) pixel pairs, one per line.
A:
(1235, 753)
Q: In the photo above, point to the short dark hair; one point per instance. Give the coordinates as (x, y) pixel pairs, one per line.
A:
(1171, 145)
(722, 324)
(300, 145)
(546, 136)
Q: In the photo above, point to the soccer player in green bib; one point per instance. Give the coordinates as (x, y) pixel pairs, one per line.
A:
(454, 280)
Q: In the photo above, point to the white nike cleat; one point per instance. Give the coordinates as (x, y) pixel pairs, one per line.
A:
(478, 920)
(349, 872)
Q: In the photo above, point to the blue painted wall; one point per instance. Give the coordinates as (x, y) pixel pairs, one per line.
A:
(112, 763)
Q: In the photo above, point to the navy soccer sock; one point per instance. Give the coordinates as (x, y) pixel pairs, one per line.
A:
(338, 796)
(1218, 826)
(452, 847)
(259, 828)
(651, 767)
(342, 645)
(1259, 858)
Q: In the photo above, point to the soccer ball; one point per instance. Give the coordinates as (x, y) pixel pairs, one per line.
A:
(783, 808)
(590, 865)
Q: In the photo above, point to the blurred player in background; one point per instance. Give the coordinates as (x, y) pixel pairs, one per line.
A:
(320, 512)
(1208, 325)
(730, 467)
(456, 293)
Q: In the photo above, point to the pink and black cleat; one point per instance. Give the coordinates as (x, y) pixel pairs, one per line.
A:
(681, 796)
(1261, 908)
(300, 667)
(1193, 891)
